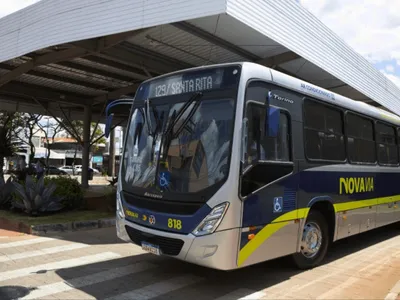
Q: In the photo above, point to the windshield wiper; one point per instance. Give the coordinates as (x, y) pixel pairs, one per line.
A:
(148, 118)
(169, 135)
(147, 108)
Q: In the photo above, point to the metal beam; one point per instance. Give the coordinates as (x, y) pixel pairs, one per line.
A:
(81, 49)
(213, 39)
(41, 60)
(117, 93)
(41, 92)
(129, 59)
(95, 71)
(136, 73)
(142, 57)
(55, 77)
(25, 104)
(278, 59)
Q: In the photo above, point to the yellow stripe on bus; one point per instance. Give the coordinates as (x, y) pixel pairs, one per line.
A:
(269, 230)
(302, 213)
(339, 207)
(258, 240)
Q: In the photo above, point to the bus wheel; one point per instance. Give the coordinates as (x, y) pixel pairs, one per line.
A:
(314, 241)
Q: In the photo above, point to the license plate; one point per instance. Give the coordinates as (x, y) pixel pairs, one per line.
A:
(151, 248)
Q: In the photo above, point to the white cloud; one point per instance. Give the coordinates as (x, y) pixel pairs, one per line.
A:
(370, 27)
(10, 6)
(389, 68)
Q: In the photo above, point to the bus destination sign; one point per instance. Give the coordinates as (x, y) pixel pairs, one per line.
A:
(192, 81)
(180, 85)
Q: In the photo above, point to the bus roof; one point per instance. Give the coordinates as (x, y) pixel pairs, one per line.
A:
(333, 98)
(306, 88)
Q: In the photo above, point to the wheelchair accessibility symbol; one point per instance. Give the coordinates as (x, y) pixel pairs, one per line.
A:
(164, 179)
(278, 204)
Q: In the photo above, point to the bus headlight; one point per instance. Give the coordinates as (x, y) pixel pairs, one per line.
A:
(120, 209)
(212, 220)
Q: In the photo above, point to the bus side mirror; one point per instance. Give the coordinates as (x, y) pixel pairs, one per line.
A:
(272, 121)
(108, 125)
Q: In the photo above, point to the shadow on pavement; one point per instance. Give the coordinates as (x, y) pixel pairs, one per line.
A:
(117, 276)
(101, 236)
(11, 292)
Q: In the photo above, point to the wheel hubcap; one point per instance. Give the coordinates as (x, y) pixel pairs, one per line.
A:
(311, 240)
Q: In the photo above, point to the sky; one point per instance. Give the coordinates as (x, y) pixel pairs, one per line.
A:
(370, 27)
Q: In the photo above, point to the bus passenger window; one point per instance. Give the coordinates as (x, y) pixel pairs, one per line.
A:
(387, 148)
(360, 139)
(323, 132)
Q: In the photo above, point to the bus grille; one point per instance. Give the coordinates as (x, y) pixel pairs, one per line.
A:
(168, 246)
(169, 207)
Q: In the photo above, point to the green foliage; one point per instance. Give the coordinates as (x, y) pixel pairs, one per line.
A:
(6, 192)
(68, 189)
(36, 196)
(10, 126)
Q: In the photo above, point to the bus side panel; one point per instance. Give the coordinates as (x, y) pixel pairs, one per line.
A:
(358, 196)
(270, 226)
(363, 197)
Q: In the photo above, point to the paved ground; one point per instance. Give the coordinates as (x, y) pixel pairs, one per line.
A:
(96, 265)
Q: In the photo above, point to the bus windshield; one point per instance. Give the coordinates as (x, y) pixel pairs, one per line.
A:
(179, 143)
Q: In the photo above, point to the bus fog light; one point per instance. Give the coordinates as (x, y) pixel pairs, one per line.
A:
(212, 220)
(120, 210)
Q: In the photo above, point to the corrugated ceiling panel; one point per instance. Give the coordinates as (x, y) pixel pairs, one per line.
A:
(178, 44)
(300, 31)
(239, 35)
(50, 22)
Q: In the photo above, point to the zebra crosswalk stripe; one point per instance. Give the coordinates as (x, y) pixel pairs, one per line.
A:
(45, 251)
(69, 263)
(26, 242)
(79, 282)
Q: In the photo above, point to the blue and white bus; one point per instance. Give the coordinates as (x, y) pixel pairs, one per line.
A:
(230, 165)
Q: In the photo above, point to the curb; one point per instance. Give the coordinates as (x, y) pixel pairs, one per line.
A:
(394, 292)
(44, 229)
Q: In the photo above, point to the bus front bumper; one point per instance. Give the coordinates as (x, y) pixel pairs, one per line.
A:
(217, 250)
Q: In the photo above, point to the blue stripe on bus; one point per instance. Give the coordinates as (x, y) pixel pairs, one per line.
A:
(340, 186)
(175, 223)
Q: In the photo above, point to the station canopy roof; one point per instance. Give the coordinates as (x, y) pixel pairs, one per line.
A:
(56, 56)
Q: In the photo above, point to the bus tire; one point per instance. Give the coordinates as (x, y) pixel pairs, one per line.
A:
(314, 241)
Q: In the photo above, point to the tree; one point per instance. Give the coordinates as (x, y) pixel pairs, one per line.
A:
(49, 128)
(31, 122)
(75, 130)
(10, 127)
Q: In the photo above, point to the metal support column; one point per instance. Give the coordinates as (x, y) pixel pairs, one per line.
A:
(111, 158)
(86, 145)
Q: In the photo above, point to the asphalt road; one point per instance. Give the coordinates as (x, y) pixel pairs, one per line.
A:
(96, 265)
